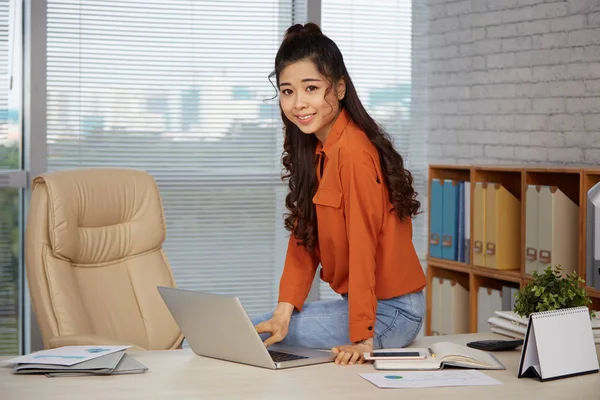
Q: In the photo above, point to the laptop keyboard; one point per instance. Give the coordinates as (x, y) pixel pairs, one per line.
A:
(278, 356)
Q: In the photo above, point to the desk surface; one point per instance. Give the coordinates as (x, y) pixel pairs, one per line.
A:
(184, 375)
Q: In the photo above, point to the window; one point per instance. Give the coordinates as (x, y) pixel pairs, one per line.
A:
(180, 89)
(376, 39)
(12, 178)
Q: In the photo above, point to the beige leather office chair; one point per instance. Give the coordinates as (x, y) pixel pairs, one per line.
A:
(94, 257)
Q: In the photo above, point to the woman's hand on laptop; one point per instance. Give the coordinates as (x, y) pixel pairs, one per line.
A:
(353, 353)
(278, 325)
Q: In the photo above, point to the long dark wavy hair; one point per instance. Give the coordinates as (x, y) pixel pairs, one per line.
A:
(307, 42)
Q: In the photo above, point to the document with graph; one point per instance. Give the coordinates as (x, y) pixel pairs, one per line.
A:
(422, 379)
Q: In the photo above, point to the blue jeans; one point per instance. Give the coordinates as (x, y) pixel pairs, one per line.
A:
(324, 324)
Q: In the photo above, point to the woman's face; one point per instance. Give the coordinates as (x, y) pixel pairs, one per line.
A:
(306, 100)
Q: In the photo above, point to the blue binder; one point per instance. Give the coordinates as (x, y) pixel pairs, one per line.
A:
(450, 220)
(460, 234)
(435, 218)
(466, 218)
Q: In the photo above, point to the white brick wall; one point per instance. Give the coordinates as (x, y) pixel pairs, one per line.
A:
(514, 81)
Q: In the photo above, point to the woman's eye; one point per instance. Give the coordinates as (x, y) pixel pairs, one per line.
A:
(286, 92)
(311, 88)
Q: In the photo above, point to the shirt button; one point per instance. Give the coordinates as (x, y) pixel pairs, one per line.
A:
(370, 328)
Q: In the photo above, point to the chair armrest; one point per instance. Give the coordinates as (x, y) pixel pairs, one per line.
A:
(90, 340)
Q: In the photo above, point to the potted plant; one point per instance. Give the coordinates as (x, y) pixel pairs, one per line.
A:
(550, 290)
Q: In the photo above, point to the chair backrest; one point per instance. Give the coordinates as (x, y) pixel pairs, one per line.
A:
(94, 257)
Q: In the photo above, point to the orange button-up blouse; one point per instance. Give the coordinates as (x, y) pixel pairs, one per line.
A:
(364, 250)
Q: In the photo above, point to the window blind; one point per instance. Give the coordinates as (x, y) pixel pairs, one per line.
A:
(180, 89)
(376, 39)
(9, 142)
(9, 197)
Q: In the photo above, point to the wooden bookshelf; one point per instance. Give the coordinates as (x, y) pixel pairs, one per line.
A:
(574, 181)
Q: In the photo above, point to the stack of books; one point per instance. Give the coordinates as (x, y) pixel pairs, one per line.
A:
(77, 361)
(511, 324)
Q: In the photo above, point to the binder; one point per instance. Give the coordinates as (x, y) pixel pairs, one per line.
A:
(508, 298)
(502, 228)
(483, 309)
(596, 264)
(593, 237)
(460, 233)
(558, 344)
(490, 220)
(435, 218)
(495, 300)
(558, 230)
(450, 220)
(531, 228)
(467, 219)
(479, 223)
(436, 306)
(488, 301)
(455, 308)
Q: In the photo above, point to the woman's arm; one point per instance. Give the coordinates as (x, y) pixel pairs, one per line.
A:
(298, 274)
(364, 208)
(296, 280)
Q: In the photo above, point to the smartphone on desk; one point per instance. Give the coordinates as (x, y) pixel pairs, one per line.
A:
(396, 354)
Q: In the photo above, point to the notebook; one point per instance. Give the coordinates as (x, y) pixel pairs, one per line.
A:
(517, 320)
(444, 354)
(558, 344)
(509, 323)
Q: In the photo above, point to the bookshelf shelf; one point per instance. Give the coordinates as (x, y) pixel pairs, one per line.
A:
(448, 264)
(573, 181)
(595, 293)
(507, 275)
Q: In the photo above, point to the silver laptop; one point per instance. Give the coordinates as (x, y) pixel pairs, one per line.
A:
(217, 326)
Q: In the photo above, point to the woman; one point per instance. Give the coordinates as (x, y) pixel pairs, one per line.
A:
(351, 202)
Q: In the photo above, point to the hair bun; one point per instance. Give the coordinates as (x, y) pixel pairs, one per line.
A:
(298, 29)
(312, 28)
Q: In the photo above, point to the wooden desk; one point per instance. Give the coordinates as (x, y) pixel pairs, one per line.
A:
(180, 374)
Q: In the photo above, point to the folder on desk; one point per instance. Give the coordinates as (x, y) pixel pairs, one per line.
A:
(531, 228)
(479, 203)
(110, 364)
(502, 228)
(558, 230)
(450, 220)
(128, 365)
(435, 218)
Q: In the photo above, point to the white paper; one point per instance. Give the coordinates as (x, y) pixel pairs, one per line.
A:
(564, 342)
(427, 379)
(67, 355)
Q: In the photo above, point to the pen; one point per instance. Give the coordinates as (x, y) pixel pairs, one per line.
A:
(431, 352)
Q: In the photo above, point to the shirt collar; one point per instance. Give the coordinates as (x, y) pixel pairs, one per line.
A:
(334, 134)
